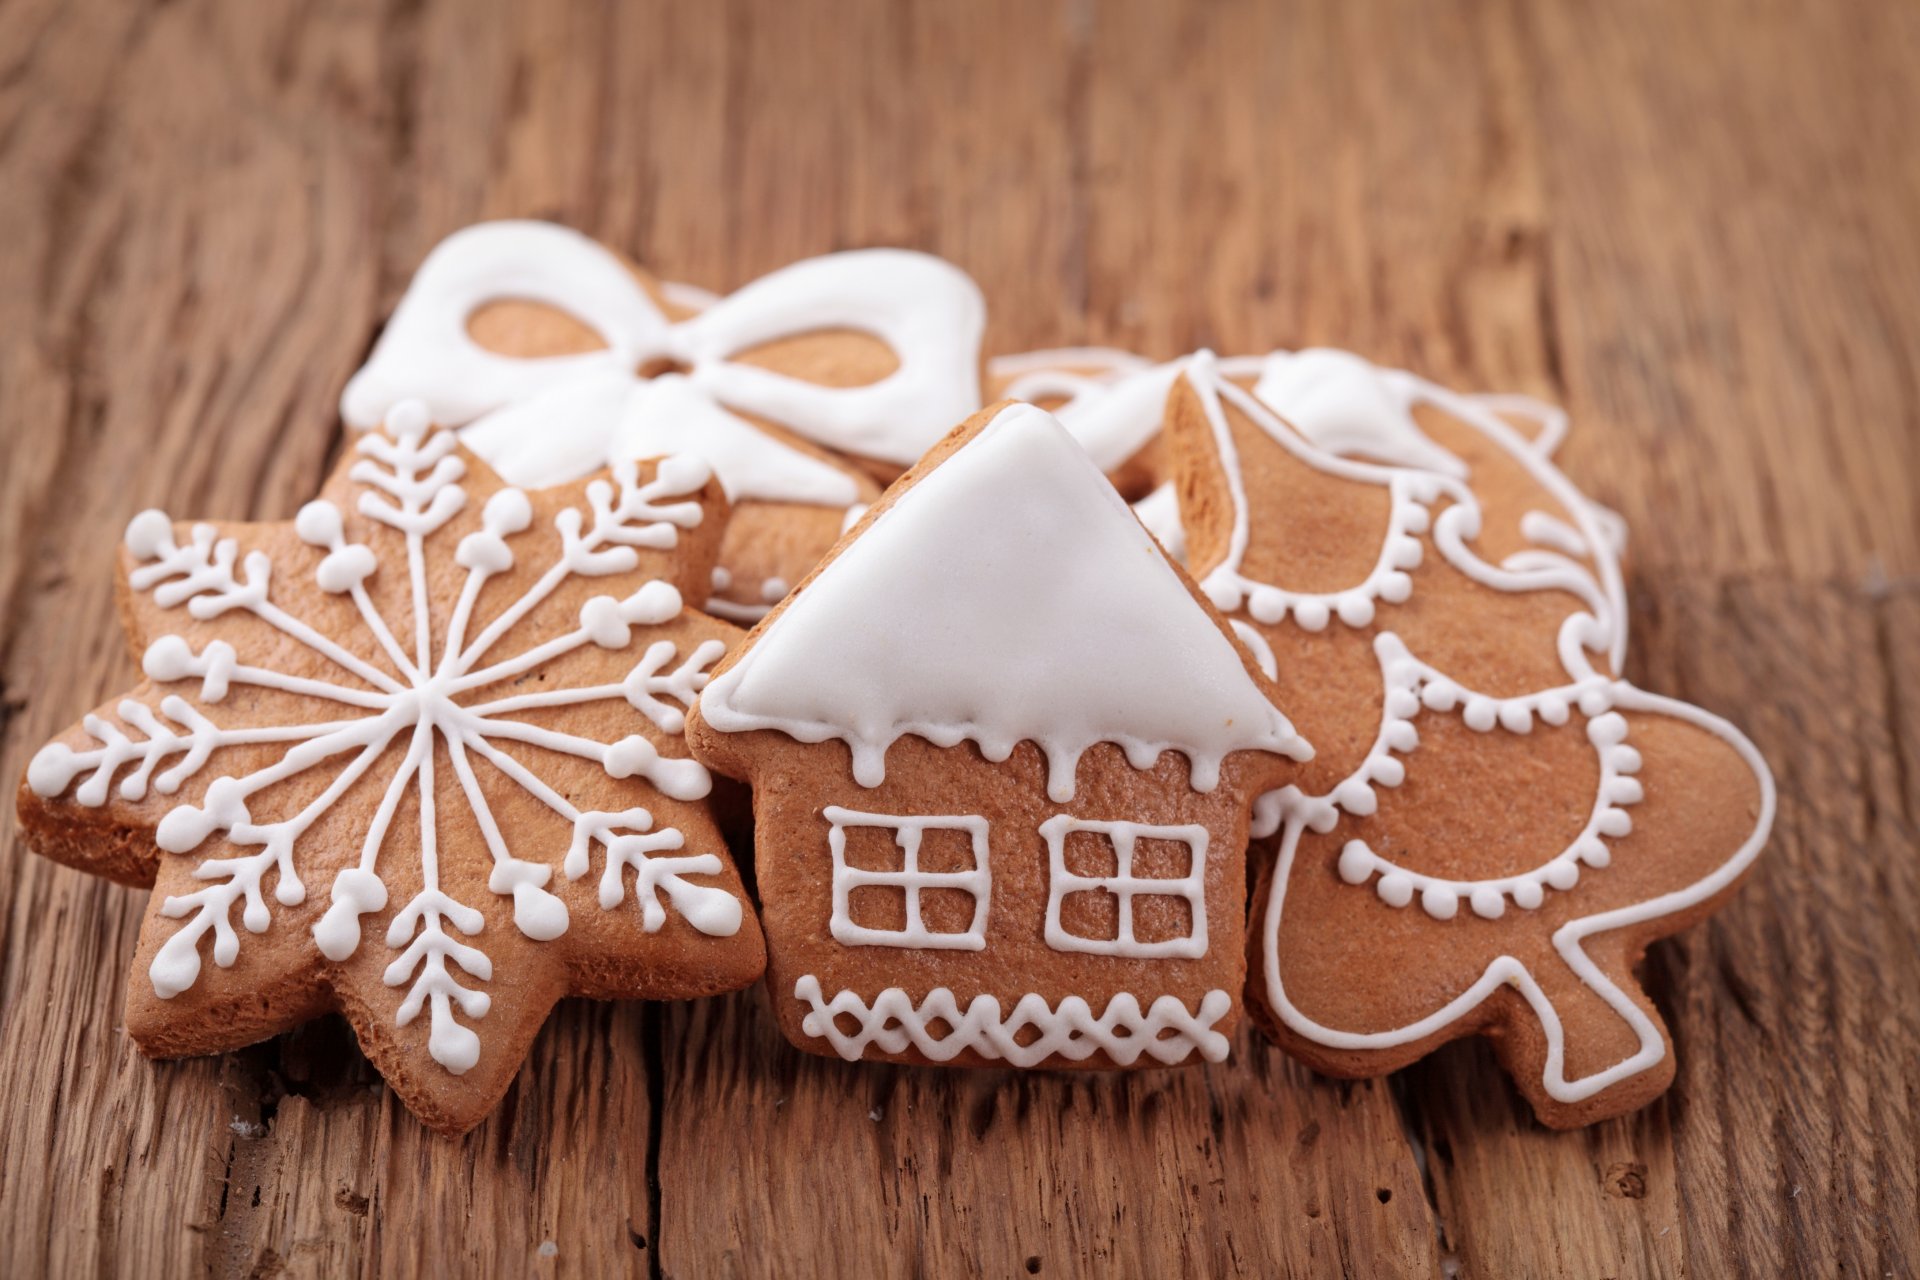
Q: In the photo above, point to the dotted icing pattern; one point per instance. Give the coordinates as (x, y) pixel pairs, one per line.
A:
(1441, 898)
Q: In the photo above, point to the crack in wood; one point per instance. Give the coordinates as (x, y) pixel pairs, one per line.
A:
(1407, 1111)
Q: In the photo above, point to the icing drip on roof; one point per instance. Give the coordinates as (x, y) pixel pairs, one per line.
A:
(1010, 595)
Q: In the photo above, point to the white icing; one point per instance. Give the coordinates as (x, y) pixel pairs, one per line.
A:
(1118, 422)
(1356, 792)
(410, 481)
(735, 611)
(543, 420)
(1160, 512)
(1011, 553)
(910, 879)
(1550, 422)
(1165, 1031)
(688, 297)
(925, 309)
(554, 435)
(670, 415)
(1125, 887)
(1060, 372)
(1112, 402)
(1347, 406)
(1256, 644)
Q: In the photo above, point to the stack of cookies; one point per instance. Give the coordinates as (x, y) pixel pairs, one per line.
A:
(1033, 693)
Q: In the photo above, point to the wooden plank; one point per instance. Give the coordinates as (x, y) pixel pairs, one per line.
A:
(180, 251)
(1734, 272)
(1250, 1167)
(1360, 175)
(1691, 224)
(1795, 1112)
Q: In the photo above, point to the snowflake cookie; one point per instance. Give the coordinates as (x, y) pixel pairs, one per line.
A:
(417, 756)
(1003, 754)
(554, 357)
(1496, 824)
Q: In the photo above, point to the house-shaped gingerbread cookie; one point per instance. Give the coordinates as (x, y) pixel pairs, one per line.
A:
(1002, 754)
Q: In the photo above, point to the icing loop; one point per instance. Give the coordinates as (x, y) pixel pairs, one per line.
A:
(1441, 897)
(1412, 495)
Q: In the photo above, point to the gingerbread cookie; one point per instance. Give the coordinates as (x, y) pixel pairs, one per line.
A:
(555, 357)
(1002, 753)
(1496, 825)
(417, 756)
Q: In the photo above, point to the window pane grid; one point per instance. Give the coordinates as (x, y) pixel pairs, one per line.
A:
(1125, 886)
(910, 879)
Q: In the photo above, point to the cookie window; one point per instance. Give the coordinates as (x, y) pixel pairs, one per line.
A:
(927, 887)
(1129, 890)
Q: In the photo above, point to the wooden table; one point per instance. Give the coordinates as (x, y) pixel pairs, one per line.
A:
(1696, 225)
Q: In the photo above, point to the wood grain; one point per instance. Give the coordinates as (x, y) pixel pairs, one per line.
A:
(1692, 224)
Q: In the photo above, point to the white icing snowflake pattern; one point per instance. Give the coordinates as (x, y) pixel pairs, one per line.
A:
(410, 481)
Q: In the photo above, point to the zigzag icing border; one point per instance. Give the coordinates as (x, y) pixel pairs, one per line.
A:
(1124, 1032)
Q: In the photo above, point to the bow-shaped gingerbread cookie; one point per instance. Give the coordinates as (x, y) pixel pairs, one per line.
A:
(776, 385)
